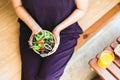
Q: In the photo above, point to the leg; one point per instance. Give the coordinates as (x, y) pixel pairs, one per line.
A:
(30, 60)
(53, 66)
(30, 65)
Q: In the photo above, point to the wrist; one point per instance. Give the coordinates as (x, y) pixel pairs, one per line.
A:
(36, 30)
(58, 29)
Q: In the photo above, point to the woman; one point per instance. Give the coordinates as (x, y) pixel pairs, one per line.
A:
(58, 16)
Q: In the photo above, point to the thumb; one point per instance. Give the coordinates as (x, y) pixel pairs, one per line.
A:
(56, 46)
(30, 41)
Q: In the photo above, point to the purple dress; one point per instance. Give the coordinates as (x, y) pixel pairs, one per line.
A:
(48, 14)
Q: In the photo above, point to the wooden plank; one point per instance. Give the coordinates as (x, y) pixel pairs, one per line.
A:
(114, 70)
(92, 30)
(118, 39)
(108, 48)
(102, 72)
(117, 61)
(114, 44)
(96, 10)
(10, 61)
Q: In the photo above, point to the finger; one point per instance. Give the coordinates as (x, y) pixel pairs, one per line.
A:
(30, 41)
(55, 48)
(43, 55)
(56, 44)
(51, 52)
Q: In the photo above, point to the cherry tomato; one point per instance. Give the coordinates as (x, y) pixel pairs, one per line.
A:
(40, 41)
(42, 48)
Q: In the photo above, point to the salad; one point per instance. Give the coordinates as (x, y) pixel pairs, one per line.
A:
(43, 42)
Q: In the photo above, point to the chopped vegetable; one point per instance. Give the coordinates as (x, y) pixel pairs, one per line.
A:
(43, 42)
(40, 41)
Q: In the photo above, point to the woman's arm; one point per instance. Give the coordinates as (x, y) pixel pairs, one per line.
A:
(81, 7)
(25, 16)
(75, 16)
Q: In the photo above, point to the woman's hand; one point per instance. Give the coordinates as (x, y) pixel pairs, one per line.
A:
(33, 32)
(56, 33)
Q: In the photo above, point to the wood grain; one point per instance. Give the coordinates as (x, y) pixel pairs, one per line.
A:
(10, 62)
(105, 73)
(96, 10)
(113, 68)
(92, 30)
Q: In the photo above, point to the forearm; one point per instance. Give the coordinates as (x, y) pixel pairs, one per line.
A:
(74, 17)
(78, 13)
(25, 16)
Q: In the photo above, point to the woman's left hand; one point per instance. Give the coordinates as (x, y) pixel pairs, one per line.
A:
(56, 33)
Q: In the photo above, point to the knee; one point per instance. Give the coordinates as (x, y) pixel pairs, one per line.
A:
(50, 74)
(47, 78)
(28, 75)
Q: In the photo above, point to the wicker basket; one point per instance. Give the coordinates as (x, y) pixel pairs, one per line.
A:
(43, 54)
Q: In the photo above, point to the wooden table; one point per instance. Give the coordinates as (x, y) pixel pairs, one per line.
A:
(112, 72)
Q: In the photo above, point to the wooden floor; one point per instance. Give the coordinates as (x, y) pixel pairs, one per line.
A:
(106, 30)
(97, 26)
(10, 62)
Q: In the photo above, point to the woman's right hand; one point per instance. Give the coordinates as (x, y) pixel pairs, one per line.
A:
(56, 33)
(35, 31)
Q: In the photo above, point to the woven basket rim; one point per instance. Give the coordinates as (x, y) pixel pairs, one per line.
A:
(45, 31)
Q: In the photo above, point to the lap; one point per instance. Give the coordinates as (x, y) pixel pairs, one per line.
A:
(30, 60)
(30, 64)
(51, 66)
(54, 65)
